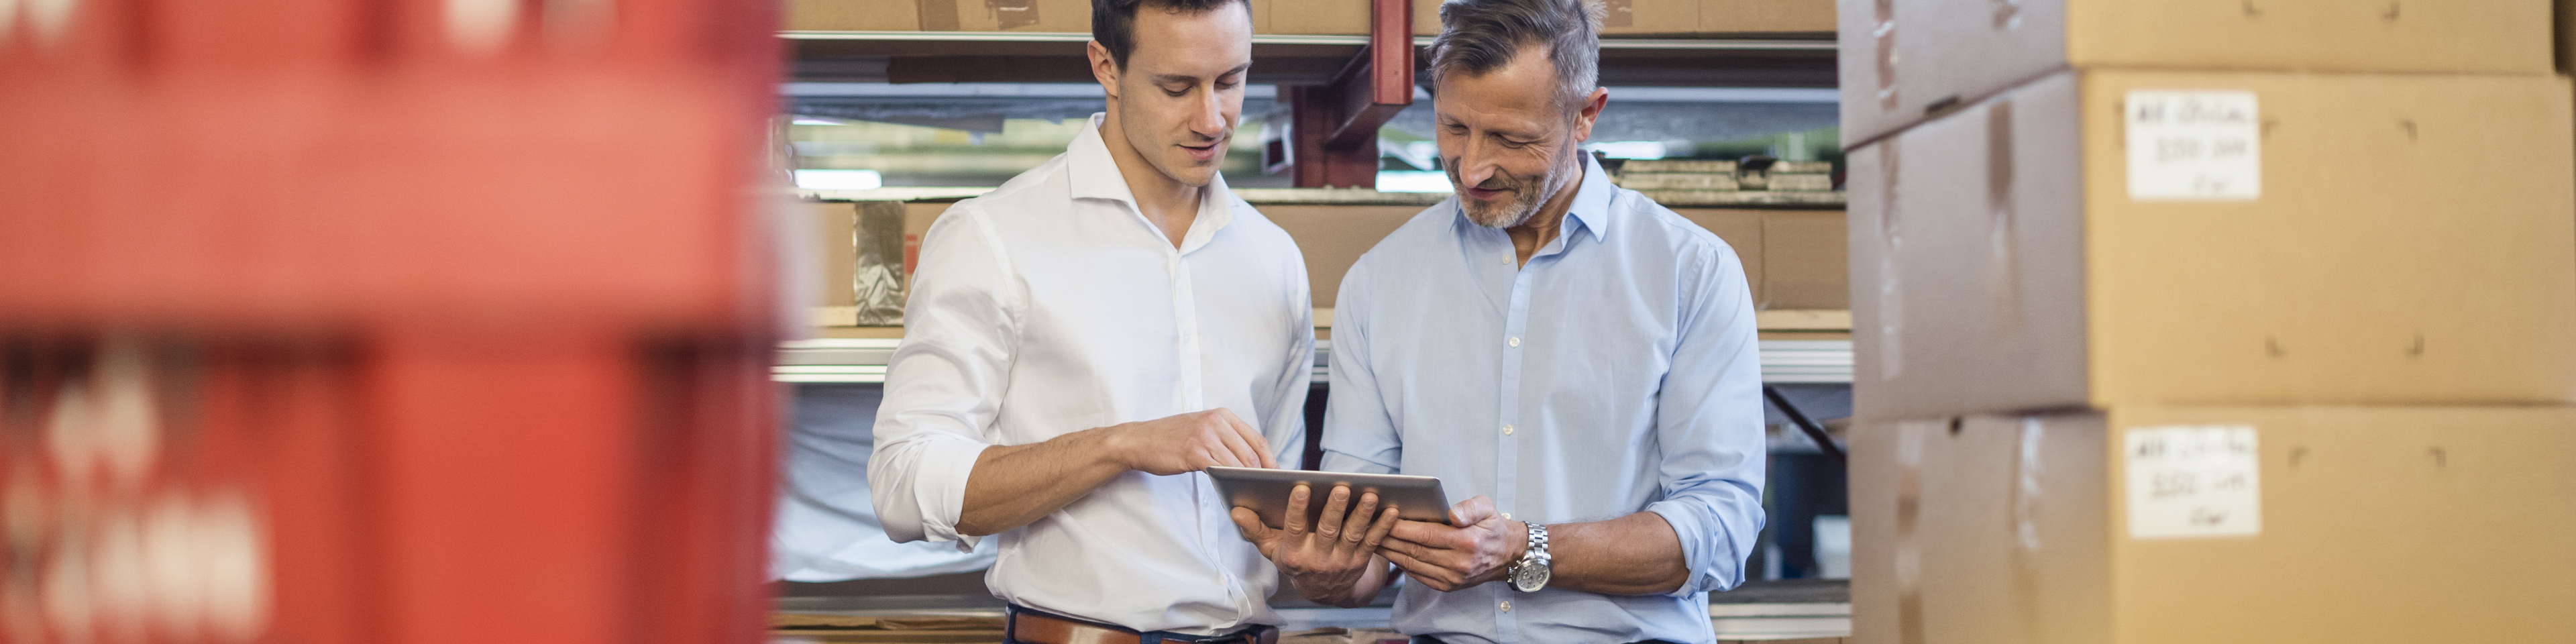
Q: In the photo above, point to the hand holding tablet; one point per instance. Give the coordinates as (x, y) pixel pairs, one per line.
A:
(1324, 528)
(1265, 492)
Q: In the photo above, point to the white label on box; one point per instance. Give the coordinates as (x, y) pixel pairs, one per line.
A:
(2194, 481)
(2194, 146)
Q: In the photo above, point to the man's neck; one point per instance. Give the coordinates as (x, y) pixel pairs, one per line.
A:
(1171, 205)
(1534, 234)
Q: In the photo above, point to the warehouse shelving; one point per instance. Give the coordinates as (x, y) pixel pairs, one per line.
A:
(1367, 197)
(1293, 58)
(863, 360)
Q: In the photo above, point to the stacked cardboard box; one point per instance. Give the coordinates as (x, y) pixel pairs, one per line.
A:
(1326, 17)
(1619, 18)
(2210, 321)
(939, 15)
(1793, 259)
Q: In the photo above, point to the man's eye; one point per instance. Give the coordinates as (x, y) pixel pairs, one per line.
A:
(1177, 92)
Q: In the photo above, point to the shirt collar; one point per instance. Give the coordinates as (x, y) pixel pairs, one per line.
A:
(1095, 175)
(1591, 207)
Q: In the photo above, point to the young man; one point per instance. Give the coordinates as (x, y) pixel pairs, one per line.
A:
(1580, 359)
(1082, 341)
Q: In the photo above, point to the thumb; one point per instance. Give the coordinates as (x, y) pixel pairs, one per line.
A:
(1471, 511)
(1253, 530)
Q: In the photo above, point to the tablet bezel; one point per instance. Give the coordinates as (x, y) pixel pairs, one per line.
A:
(1265, 491)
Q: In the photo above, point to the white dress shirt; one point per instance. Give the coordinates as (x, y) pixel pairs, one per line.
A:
(1050, 306)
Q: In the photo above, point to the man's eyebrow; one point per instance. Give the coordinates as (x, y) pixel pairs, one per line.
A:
(1185, 78)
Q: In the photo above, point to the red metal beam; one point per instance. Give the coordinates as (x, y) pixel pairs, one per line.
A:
(1335, 124)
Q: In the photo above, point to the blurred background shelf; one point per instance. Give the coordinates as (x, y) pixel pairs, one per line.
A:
(1371, 197)
(1290, 59)
(863, 360)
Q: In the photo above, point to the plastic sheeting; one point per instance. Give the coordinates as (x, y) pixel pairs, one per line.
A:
(827, 528)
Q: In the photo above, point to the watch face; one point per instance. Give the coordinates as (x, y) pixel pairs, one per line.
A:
(1530, 578)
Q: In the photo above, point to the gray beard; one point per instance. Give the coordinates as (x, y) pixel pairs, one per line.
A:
(1524, 205)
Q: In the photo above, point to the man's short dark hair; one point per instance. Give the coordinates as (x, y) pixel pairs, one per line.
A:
(1479, 36)
(1113, 22)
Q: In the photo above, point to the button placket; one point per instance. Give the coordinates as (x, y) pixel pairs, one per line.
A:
(1507, 453)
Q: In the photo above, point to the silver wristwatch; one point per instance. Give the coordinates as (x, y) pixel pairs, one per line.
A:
(1530, 572)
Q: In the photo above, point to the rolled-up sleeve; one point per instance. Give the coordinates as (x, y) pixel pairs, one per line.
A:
(945, 381)
(1709, 421)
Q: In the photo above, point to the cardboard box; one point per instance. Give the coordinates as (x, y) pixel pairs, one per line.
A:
(1743, 230)
(1765, 17)
(867, 258)
(1342, 17)
(1803, 265)
(1620, 17)
(2375, 239)
(917, 217)
(939, 15)
(1333, 237)
(2278, 525)
(856, 15)
(1650, 17)
(1922, 57)
(837, 245)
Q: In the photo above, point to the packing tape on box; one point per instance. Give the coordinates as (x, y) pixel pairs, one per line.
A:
(1013, 14)
(2025, 517)
(2026, 470)
(1891, 238)
(2003, 281)
(1883, 30)
(1909, 553)
(877, 283)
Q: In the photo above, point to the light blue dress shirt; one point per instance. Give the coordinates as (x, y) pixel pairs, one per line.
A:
(1615, 373)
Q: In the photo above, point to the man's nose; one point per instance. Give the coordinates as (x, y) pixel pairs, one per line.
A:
(1474, 169)
(1208, 117)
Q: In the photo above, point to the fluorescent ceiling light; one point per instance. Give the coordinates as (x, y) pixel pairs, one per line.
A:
(815, 120)
(1724, 95)
(1630, 149)
(977, 90)
(839, 179)
(1412, 181)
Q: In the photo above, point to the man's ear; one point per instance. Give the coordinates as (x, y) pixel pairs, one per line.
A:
(1591, 112)
(1103, 68)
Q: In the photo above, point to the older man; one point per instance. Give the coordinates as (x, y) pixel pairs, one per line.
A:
(1577, 357)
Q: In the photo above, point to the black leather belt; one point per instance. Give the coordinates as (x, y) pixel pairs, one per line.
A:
(1023, 625)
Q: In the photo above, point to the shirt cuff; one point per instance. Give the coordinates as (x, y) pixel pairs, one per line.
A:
(940, 489)
(1693, 529)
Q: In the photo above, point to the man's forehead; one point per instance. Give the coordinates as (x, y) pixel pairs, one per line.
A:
(1191, 44)
(1497, 105)
(1505, 91)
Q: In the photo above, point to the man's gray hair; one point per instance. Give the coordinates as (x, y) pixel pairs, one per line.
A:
(1479, 36)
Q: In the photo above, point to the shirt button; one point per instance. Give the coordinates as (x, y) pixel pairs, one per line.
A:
(1507, 607)
(1507, 430)
(1516, 342)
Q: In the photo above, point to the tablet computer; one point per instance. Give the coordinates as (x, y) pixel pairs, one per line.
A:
(1265, 491)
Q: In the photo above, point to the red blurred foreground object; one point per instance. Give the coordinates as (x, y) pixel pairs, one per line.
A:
(419, 321)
